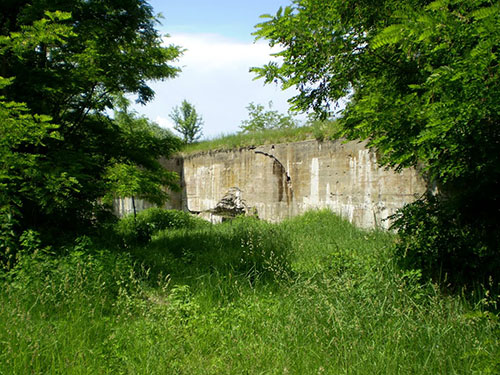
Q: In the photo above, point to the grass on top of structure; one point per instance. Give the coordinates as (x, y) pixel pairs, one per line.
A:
(318, 130)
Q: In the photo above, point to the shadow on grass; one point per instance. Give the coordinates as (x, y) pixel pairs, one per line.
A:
(244, 247)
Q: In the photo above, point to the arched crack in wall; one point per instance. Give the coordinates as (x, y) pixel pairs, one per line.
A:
(288, 179)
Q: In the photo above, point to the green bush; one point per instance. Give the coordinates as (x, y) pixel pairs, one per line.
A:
(8, 239)
(448, 245)
(139, 230)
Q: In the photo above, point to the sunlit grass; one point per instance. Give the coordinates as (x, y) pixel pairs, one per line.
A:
(313, 295)
(319, 131)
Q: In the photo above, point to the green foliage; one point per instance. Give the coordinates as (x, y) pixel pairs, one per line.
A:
(446, 246)
(139, 173)
(128, 180)
(324, 129)
(24, 171)
(62, 66)
(424, 82)
(187, 122)
(49, 31)
(178, 306)
(260, 119)
(141, 228)
(83, 281)
(8, 239)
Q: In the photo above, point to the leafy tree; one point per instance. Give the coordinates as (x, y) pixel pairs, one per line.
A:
(62, 65)
(187, 122)
(146, 179)
(24, 174)
(260, 119)
(424, 80)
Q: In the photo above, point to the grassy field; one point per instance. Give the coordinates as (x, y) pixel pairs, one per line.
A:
(312, 295)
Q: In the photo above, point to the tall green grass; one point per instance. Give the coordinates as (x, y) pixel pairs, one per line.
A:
(312, 295)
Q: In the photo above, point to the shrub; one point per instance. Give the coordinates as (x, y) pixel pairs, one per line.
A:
(8, 239)
(447, 245)
(140, 229)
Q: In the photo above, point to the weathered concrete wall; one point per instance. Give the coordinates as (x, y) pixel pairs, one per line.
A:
(285, 180)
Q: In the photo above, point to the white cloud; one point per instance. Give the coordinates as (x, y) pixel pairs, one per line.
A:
(212, 52)
(215, 78)
(165, 123)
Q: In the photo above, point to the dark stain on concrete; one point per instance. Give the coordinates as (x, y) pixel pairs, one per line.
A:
(284, 180)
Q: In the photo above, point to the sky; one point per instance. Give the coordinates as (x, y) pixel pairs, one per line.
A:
(215, 74)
